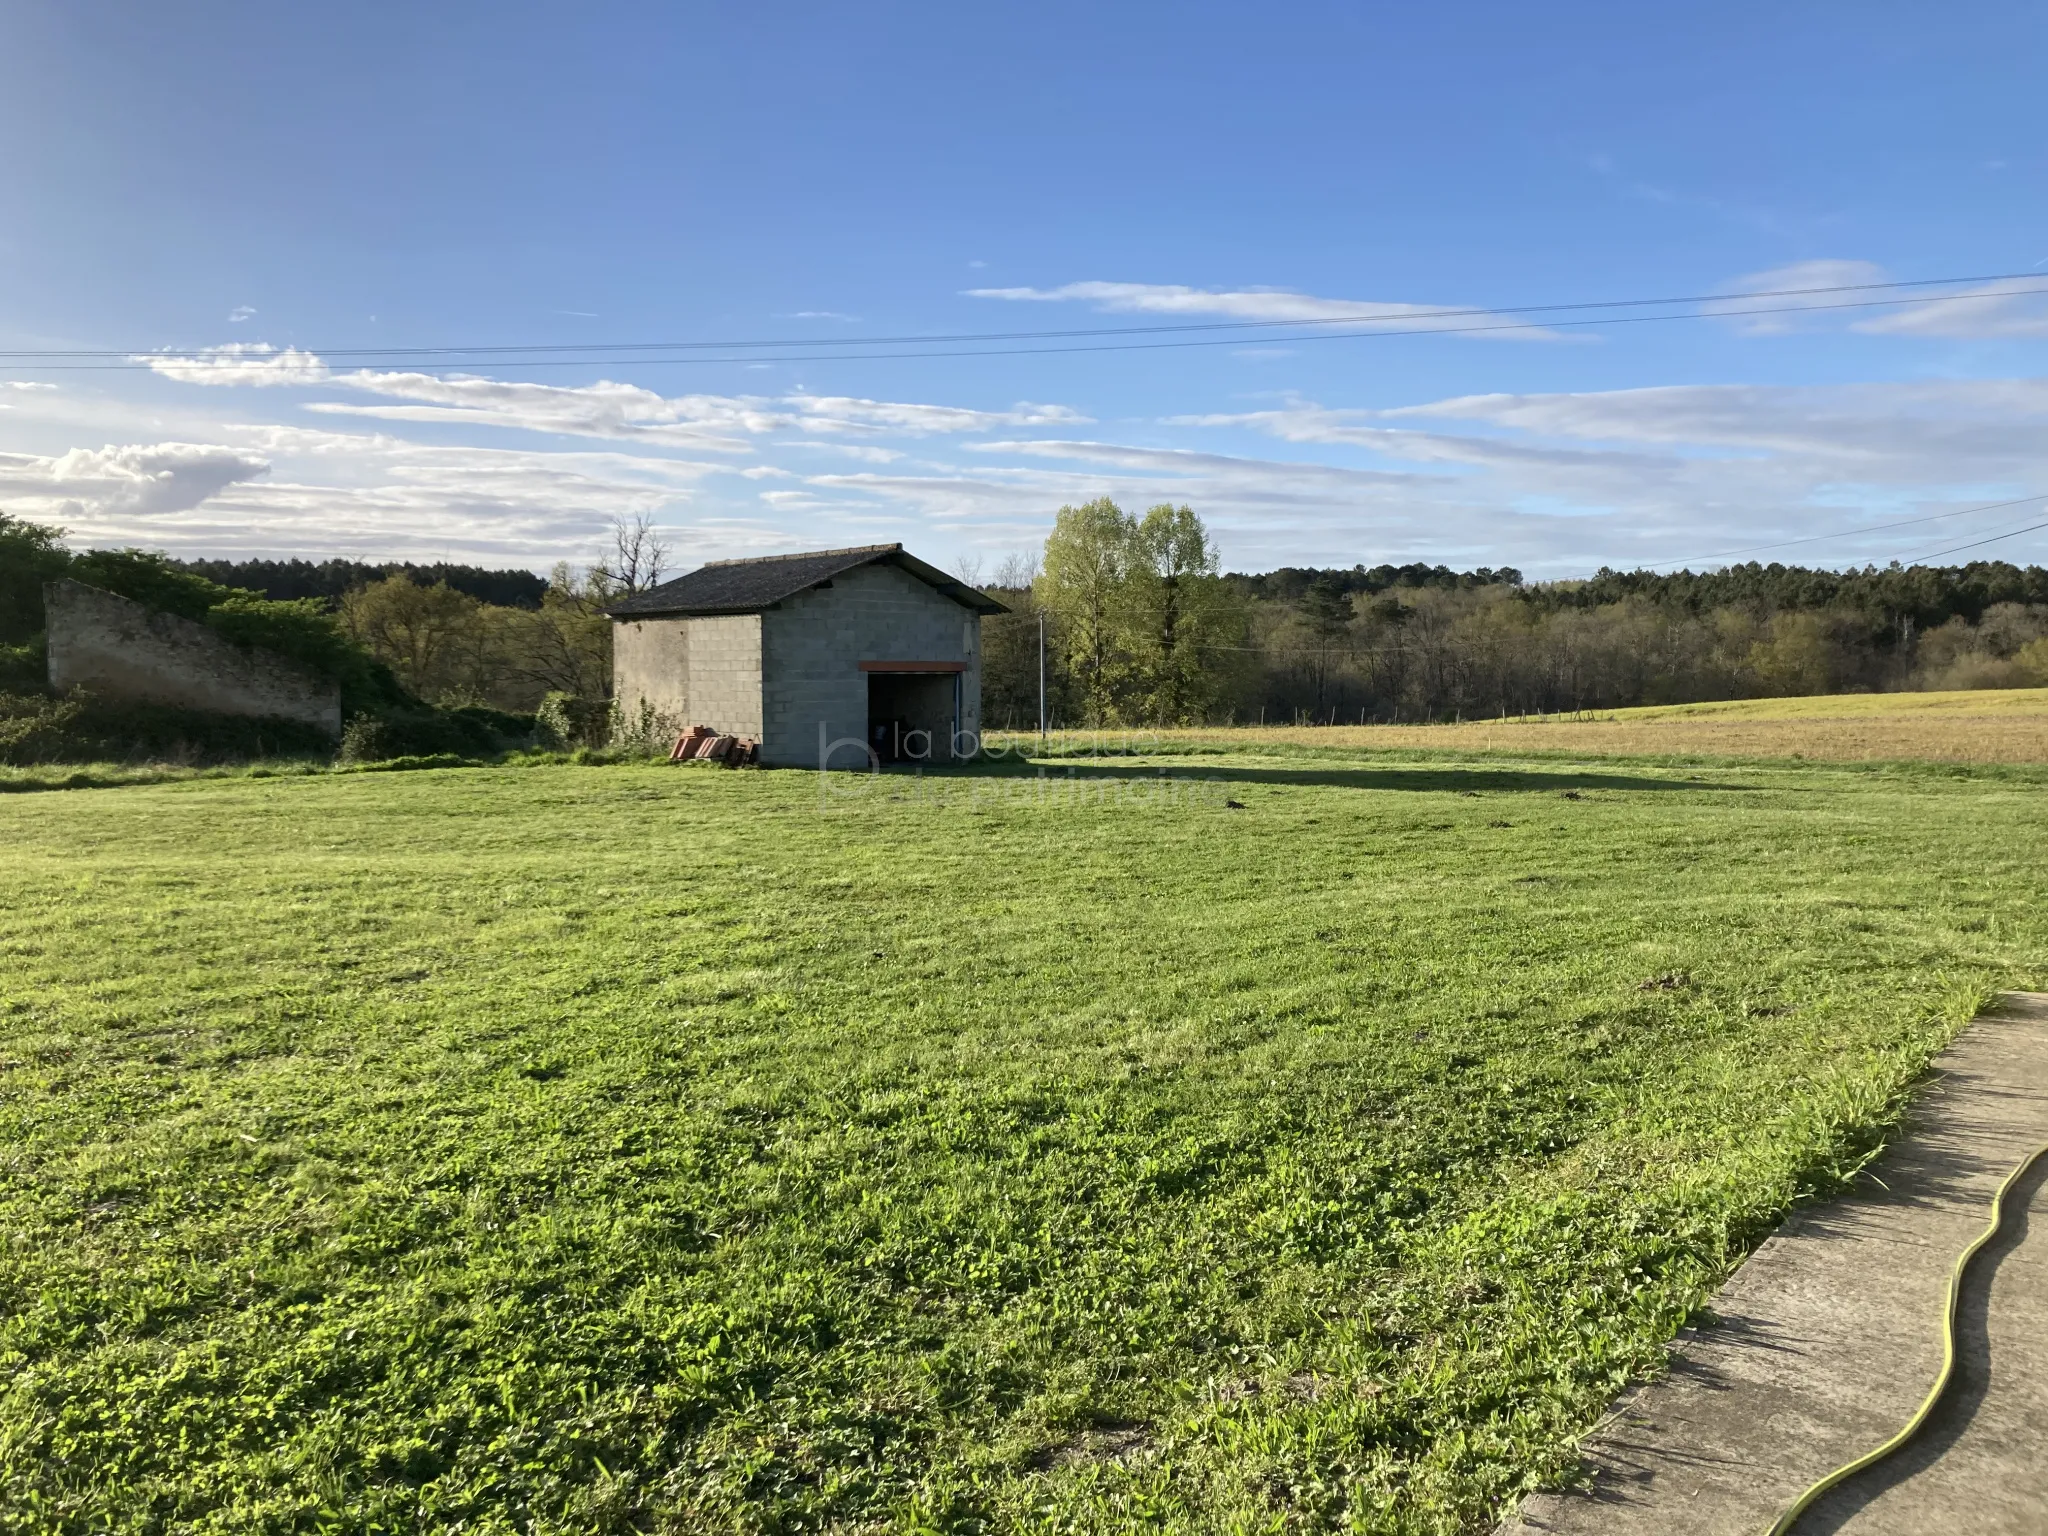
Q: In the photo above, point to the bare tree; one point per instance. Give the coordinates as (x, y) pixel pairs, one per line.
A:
(1017, 571)
(637, 559)
(968, 569)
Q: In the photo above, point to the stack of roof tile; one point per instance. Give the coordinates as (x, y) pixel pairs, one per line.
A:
(701, 743)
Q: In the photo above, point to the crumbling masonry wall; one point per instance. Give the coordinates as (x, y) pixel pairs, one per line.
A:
(121, 650)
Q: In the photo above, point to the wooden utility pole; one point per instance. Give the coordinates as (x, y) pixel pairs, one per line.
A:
(1041, 680)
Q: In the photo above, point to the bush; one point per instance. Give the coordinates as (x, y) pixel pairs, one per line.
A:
(24, 668)
(35, 729)
(423, 732)
(565, 722)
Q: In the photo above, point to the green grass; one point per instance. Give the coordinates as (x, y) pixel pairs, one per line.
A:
(571, 1149)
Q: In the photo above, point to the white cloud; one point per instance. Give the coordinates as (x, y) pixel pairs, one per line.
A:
(867, 453)
(842, 413)
(240, 313)
(1785, 281)
(1556, 483)
(1571, 480)
(722, 423)
(603, 409)
(25, 387)
(1991, 310)
(255, 363)
(1278, 305)
(1986, 310)
(137, 480)
(607, 409)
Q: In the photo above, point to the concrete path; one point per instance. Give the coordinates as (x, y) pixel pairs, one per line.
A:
(1826, 1340)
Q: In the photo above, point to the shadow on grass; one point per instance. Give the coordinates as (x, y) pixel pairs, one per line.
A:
(1449, 778)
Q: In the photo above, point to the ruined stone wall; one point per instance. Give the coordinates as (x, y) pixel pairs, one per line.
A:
(121, 650)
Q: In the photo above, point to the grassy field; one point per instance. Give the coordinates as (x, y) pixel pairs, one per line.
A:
(1986, 726)
(1315, 1144)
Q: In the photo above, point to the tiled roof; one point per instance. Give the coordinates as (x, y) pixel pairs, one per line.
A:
(748, 586)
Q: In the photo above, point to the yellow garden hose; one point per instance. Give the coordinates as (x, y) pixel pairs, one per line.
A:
(1842, 1474)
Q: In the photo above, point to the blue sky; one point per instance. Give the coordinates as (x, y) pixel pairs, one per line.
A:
(316, 181)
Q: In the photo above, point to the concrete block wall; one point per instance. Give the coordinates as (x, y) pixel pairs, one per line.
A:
(122, 650)
(651, 662)
(812, 646)
(725, 673)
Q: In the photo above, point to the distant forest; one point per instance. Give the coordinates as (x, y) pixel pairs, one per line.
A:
(1141, 627)
(330, 580)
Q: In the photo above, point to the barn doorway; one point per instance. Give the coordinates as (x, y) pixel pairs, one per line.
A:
(912, 716)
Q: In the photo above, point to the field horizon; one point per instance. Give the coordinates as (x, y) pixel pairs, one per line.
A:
(2007, 725)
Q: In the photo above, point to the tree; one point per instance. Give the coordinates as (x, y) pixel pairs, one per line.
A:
(1009, 650)
(435, 638)
(1085, 583)
(30, 554)
(1180, 613)
(1326, 613)
(636, 560)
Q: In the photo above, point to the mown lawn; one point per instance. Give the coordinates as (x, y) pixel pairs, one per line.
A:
(582, 1149)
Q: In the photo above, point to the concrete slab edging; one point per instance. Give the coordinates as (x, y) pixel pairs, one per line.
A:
(1827, 1338)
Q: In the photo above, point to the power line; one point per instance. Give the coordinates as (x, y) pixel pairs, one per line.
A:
(1848, 533)
(1132, 330)
(1994, 539)
(1365, 326)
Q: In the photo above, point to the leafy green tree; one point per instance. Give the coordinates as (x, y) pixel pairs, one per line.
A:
(30, 554)
(1181, 617)
(1085, 583)
(434, 637)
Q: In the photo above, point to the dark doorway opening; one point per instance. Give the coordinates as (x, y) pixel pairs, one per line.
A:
(911, 715)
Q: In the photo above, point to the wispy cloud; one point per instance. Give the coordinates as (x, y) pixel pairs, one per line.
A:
(240, 313)
(292, 489)
(1255, 304)
(1795, 312)
(1556, 483)
(1985, 311)
(608, 409)
(249, 364)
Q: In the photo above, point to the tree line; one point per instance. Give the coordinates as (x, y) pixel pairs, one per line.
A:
(1141, 627)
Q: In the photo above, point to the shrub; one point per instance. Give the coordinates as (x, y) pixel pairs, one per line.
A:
(423, 732)
(23, 668)
(35, 729)
(565, 722)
